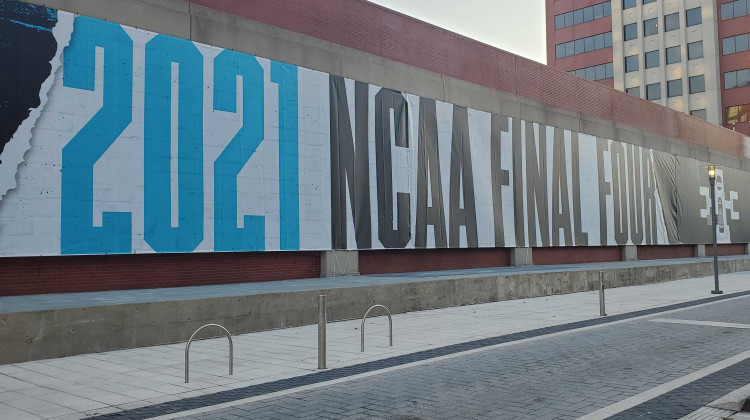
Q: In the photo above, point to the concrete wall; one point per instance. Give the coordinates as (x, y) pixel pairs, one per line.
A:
(45, 334)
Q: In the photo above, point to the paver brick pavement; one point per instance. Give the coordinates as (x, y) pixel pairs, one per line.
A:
(560, 377)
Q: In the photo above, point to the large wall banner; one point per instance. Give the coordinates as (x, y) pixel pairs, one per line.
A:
(120, 140)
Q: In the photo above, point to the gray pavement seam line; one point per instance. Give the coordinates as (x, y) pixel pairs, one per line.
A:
(702, 323)
(689, 397)
(653, 312)
(654, 392)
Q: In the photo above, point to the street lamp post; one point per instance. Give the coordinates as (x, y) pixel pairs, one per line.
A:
(712, 181)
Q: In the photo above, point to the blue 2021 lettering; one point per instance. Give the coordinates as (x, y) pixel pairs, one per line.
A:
(78, 234)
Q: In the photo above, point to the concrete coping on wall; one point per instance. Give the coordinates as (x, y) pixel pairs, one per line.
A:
(47, 326)
(118, 297)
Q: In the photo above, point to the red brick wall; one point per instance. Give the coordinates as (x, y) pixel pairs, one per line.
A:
(376, 30)
(726, 249)
(410, 260)
(576, 254)
(34, 275)
(660, 252)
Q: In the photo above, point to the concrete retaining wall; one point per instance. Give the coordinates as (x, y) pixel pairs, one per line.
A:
(45, 334)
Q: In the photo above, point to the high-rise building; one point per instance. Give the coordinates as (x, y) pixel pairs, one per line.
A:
(690, 55)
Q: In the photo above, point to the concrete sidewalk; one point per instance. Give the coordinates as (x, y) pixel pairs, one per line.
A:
(84, 385)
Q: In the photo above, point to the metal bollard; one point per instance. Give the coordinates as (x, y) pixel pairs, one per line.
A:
(322, 321)
(602, 312)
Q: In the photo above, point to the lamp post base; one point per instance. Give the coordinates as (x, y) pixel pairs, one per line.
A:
(716, 292)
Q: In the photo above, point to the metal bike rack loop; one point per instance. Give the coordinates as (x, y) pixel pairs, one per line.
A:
(187, 350)
(364, 318)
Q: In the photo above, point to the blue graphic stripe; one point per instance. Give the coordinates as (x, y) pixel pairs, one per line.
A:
(77, 234)
(161, 52)
(285, 75)
(227, 66)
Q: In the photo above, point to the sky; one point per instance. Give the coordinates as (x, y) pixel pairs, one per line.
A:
(516, 26)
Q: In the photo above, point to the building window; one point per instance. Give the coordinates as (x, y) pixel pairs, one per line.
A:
(586, 14)
(693, 17)
(697, 84)
(650, 27)
(735, 44)
(671, 22)
(560, 21)
(628, 4)
(652, 59)
(738, 114)
(635, 91)
(734, 9)
(577, 16)
(630, 31)
(649, 1)
(583, 45)
(673, 55)
(599, 42)
(695, 50)
(631, 63)
(727, 10)
(728, 46)
(699, 113)
(653, 91)
(737, 79)
(674, 88)
(600, 72)
(730, 80)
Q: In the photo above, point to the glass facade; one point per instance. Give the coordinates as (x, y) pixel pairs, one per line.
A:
(693, 17)
(583, 45)
(586, 14)
(695, 50)
(738, 114)
(653, 91)
(630, 31)
(697, 84)
(674, 88)
(671, 22)
(699, 113)
(735, 44)
(631, 63)
(600, 72)
(673, 55)
(737, 79)
(734, 9)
